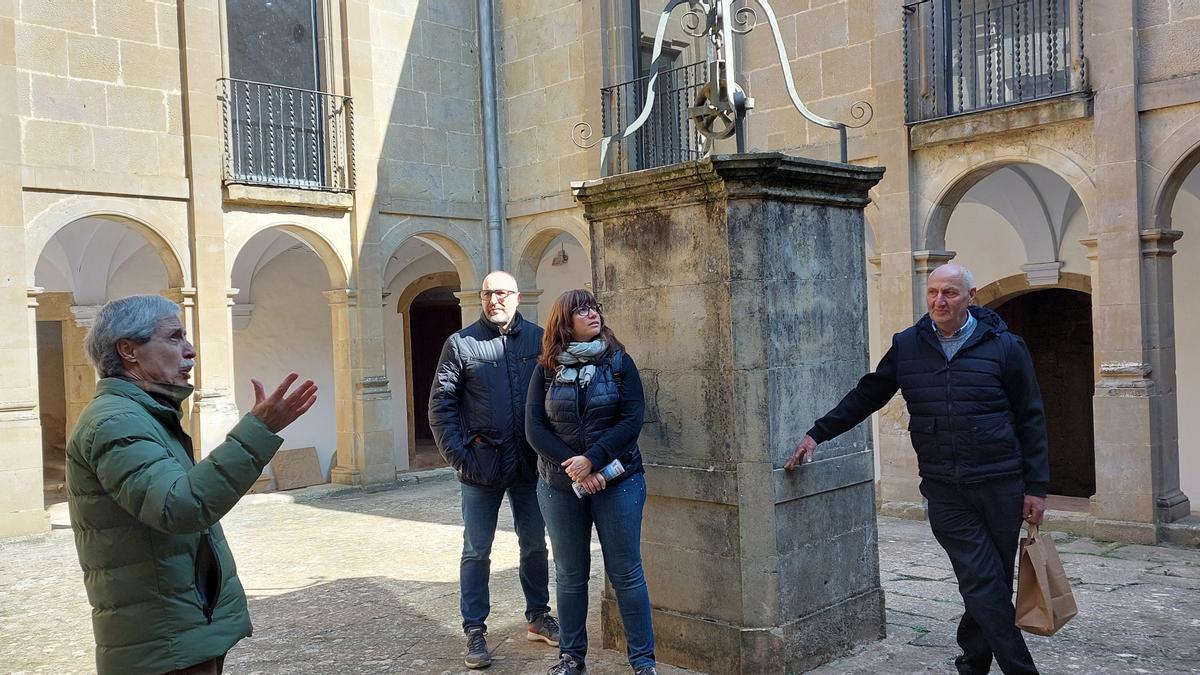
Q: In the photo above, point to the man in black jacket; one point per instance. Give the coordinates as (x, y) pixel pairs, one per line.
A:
(477, 414)
(977, 425)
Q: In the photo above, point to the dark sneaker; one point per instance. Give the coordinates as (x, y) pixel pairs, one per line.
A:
(478, 655)
(544, 628)
(567, 665)
(646, 670)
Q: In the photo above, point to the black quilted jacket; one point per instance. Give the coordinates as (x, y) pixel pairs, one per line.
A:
(974, 417)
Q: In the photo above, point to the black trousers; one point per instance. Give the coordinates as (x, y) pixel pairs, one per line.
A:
(979, 526)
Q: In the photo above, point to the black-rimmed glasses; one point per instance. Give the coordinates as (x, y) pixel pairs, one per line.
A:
(584, 310)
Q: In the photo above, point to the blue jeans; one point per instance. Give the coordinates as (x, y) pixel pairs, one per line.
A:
(617, 514)
(480, 509)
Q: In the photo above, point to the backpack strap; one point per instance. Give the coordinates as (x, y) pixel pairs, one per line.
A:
(616, 362)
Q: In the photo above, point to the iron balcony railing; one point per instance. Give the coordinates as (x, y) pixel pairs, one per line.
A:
(287, 137)
(963, 56)
(668, 136)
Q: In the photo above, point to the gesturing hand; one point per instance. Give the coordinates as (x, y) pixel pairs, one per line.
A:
(280, 408)
(804, 453)
(578, 468)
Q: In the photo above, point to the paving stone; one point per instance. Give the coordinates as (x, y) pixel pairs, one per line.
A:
(348, 582)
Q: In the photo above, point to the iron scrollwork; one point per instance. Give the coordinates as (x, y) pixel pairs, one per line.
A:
(721, 104)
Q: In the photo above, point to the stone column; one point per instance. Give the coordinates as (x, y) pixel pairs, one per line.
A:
(1128, 392)
(369, 411)
(1158, 246)
(79, 373)
(21, 502)
(471, 305)
(214, 409)
(717, 275)
(530, 306)
(361, 404)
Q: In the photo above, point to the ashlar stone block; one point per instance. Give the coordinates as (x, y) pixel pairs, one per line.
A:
(717, 275)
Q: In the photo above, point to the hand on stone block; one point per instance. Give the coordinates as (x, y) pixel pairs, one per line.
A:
(803, 454)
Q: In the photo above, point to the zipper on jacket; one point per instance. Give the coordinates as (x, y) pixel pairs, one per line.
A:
(208, 602)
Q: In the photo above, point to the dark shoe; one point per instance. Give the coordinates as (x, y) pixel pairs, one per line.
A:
(567, 665)
(646, 670)
(544, 628)
(966, 666)
(478, 655)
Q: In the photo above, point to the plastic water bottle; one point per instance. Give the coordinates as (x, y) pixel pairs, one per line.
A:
(616, 468)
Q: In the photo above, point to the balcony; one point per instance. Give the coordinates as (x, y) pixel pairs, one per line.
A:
(668, 136)
(276, 136)
(965, 56)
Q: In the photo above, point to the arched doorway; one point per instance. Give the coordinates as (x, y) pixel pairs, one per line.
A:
(1056, 324)
(429, 269)
(434, 315)
(86, 263)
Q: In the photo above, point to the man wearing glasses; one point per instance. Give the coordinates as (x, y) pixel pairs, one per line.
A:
(477, 414)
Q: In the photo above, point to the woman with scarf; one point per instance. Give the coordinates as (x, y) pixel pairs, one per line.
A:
(584, 409)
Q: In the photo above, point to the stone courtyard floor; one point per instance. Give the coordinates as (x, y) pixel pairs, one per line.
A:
(342, 581)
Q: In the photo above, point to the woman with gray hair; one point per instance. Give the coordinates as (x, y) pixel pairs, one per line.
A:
(158, 571)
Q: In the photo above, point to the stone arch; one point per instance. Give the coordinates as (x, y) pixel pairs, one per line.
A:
(1172, 161)
(452, 239)
(530, 243)
(403, 307)
(1003, 290)
(960, 174)
(145, 217)
(335, 266)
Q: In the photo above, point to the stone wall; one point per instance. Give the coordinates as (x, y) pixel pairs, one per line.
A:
(99, 92)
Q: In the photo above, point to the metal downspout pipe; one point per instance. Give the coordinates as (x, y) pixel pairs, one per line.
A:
(491, 143)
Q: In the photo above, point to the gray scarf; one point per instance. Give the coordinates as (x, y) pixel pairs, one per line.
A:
(577, 353)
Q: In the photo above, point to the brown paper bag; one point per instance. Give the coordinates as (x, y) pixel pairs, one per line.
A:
(1044, 600)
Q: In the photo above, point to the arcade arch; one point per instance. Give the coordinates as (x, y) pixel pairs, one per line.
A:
(289, 283)
(83, 264)
(1018, 226)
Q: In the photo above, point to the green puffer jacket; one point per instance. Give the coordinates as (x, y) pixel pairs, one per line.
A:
(159, 574)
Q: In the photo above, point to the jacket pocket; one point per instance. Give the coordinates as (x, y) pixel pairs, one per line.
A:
(994, 430)
(932, 454)
(481, 463)
(922, 425)
(208, 574)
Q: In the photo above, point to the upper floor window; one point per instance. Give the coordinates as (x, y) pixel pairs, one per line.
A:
(967, 55)
(281, 128)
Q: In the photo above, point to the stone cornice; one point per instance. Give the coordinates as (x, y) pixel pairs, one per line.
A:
(745, 176)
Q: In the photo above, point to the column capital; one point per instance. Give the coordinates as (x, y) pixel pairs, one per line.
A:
(241, 313)
(927, 261)
(183, 295)
(1092, 244)
(31, 296)
(469, 298)
(530, 297)
(342, 296)
(1159, 242)
(1042, 273)
(85, 315)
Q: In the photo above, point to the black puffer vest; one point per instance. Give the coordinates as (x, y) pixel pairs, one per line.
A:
(580, 415)
(961, 423)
